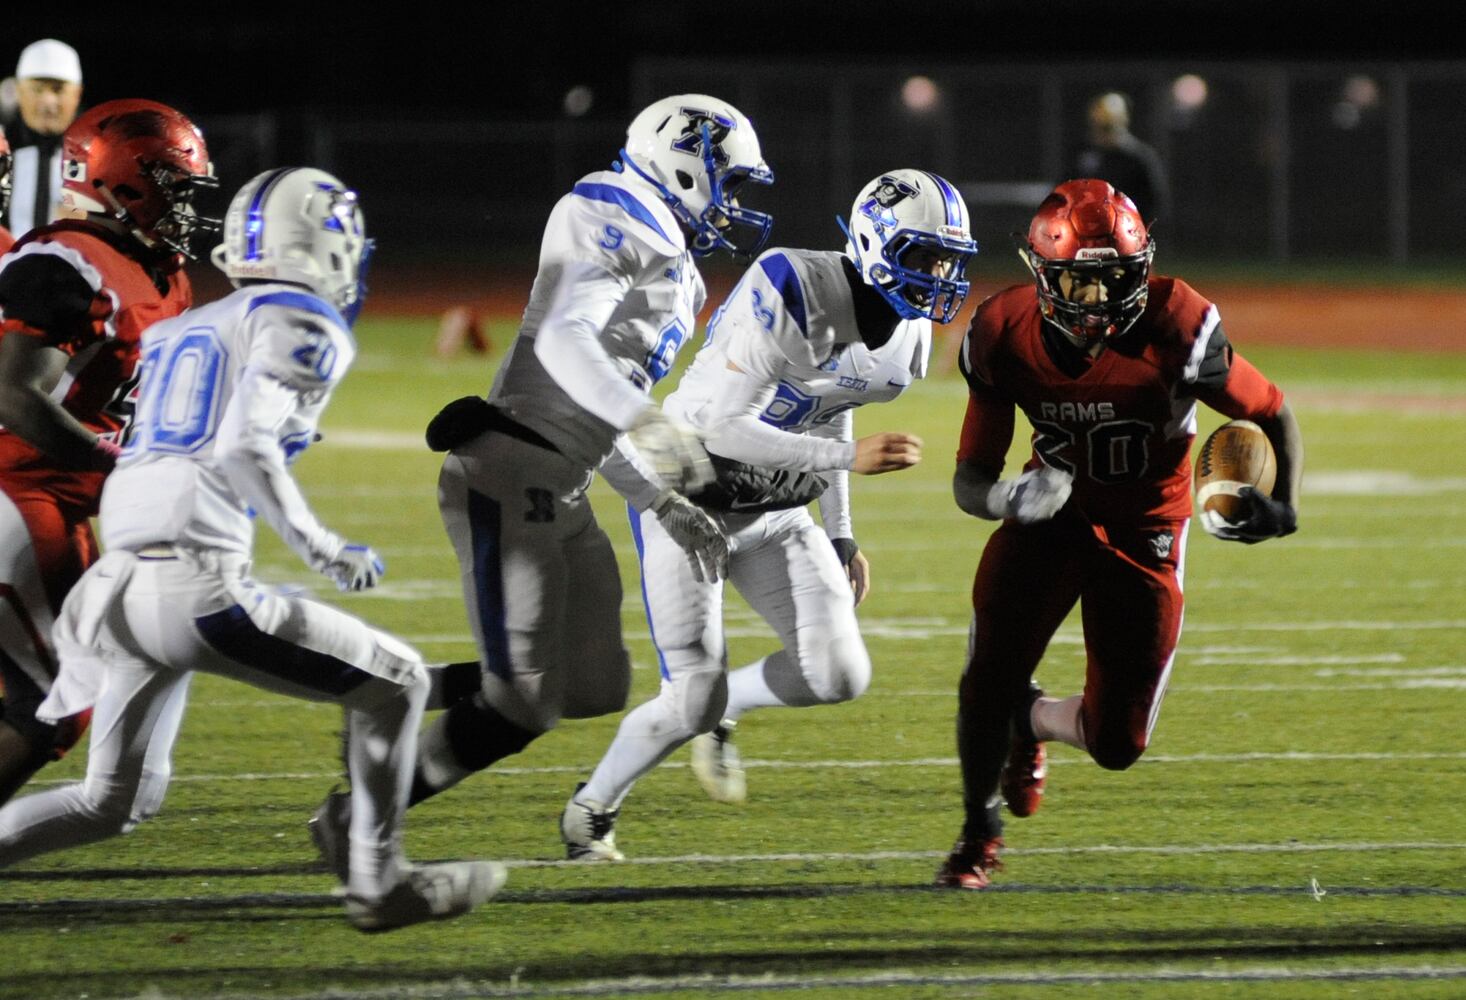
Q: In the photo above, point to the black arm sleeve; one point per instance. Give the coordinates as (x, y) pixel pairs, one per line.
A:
(45, 292)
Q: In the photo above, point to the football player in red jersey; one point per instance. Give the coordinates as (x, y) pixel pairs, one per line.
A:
(1107, 361)
(75, 298)
(6, 240)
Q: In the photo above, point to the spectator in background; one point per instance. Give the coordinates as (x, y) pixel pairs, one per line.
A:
(48, 86)
(1115, 155)
(6, 240)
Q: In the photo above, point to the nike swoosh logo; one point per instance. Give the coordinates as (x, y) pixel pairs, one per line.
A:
(898, 385)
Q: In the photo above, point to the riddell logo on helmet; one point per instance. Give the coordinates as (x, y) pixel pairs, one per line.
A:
(1096, 253)
(246, 269)
(952, 232)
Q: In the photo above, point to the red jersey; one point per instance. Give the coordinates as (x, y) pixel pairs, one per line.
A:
(6, 240)
(1121, 423)
(96, 316)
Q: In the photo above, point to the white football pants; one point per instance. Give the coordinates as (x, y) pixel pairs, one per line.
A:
(539, 580)
(129, 636)
(787, 570)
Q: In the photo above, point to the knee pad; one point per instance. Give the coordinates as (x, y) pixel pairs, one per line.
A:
(697, 699)
(605, 692)
(841, 672)
(1114, 752)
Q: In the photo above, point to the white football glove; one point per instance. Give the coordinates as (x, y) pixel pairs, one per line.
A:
(356, 567)
(1037, 495)
(697, 533)
(672, 449)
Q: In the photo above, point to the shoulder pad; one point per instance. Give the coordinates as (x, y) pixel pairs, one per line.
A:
(48, 287)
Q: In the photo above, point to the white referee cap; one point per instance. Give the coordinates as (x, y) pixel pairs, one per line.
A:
(49, 59)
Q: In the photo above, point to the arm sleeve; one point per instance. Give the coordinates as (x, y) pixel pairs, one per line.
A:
(568, 344)
(253, 460)
(835, 501)
(987, 431)
(764, 339)
(629, 476)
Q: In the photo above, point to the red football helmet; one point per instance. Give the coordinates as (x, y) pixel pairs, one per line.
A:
(141, 163)
(5, 162)
(1090, 253)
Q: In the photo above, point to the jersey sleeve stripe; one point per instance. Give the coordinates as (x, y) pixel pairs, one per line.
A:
(1198, 350)
(302, 301)
(782, 276)
(624, 200)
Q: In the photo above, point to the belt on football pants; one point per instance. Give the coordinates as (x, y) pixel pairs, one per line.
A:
(500, 421)
(157, 552)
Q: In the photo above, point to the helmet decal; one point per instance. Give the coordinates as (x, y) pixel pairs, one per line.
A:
(703, 129)
(877, 208)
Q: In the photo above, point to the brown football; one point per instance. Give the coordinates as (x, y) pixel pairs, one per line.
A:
(1237, 454)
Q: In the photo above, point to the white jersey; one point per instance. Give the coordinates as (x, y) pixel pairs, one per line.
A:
(615, 296)
(231, 393)
(790, 327)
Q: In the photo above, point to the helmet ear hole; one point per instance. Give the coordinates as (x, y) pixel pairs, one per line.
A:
(685, 179)
(864, 242)
(335, 262)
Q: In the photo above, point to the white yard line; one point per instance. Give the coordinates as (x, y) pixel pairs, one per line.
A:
(1291, 756)
(515, 988)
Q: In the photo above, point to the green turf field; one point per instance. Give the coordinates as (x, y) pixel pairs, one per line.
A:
(1298, 828)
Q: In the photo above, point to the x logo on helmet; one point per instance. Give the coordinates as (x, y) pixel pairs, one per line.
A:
(890, 192)
(704, 123)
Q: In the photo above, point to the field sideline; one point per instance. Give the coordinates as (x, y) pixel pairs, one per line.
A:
(1296, 830)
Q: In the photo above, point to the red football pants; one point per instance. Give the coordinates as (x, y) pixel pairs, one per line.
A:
(1128, 583)
(39, 563)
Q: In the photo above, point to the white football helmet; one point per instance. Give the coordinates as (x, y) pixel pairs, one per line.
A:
(301, 225)
(697, 151)
(910, 237)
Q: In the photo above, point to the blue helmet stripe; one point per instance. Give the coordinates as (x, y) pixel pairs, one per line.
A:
(254, 219)
(624, 200)
(949, 195)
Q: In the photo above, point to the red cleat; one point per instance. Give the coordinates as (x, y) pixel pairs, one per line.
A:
(1022, 780)
(969, 864)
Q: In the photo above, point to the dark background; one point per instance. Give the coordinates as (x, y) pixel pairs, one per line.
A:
(518, 59)
(451, 120)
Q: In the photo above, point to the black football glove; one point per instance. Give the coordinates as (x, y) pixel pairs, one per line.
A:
(1265, 518)
(460, 421)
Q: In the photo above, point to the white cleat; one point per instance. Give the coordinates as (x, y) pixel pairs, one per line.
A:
(589, 830)
(718, 766)
(428, 892)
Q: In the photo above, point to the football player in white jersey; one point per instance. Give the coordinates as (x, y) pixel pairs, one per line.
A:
(805, 337)
(230, 394)
(615, 296)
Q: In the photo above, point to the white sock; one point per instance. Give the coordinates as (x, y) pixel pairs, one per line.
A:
(648, 734)
(382, 748)
(1059, 719)
(774, 681)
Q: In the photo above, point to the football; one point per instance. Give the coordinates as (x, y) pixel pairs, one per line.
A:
(1237, 454)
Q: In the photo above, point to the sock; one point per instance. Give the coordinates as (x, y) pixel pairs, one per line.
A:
(468, 737)
(648, 734)
(382, 742)
(773, 681)
(1059, 719)
(452, 682)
